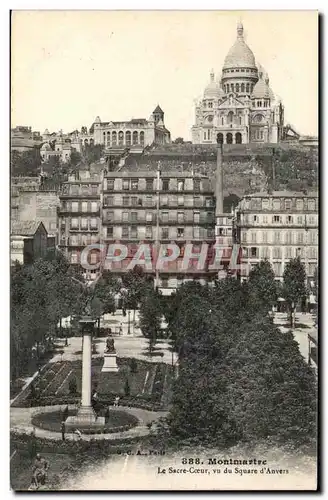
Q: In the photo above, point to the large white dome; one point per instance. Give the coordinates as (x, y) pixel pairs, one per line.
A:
(240, 55)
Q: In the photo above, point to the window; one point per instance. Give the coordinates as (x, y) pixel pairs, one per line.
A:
(289, 219)
(110, 216)
(299, 219)
(180, 232)
(114, 138)
(126, 185)
(247, 88)
(75, 206)
(265, 253)
(134, 201)
(94, 189)
(165, 216)
(255, 218)
(208, 202)
(128, 138)
(149, 201)
(165, 233)
(311, 220)
(149, 217)
(196, 185)
(173, 200)
(110, 232)
(197, 201)
(180, 201)
(299, 204)
(276, 252)
(93, 223)
(196, 231)
(165, 184)
(125, 216)
(84, 223)
(165, 201)
(276, 204)
(94, 206)
(181, 217)
(134, 216)
(135, 137)
(265, 219)
(110, 184)
(85, 189)
(74, 189)
(276, 218)
(149, 184)
(276, 237)
(254, 253)
(94, 257)
(180, 185)
(142, 138)
(288, 252)
(149, 232)
(133, 232)
(311, 205)
(126, 200)
(120, 138)
(109, 200)
(74, 223)
(265, 237)
(210, 105)
(125, 232)
(74, 258)
(253, 237)
(289, 237)
(300, 238)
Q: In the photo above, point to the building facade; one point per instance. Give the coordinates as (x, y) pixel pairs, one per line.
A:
(240, 106)
(180, 210)
(278, 227)
(79, 221)
(136, 132)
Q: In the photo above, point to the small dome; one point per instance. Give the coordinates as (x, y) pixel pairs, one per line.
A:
(97, 120)
(46, 132)
(46, 147)
(212, 90)
(261, 90)
(240, 55)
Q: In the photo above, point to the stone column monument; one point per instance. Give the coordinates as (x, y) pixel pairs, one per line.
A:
(86, 415)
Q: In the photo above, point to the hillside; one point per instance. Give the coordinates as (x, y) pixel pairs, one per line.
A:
(247, 167)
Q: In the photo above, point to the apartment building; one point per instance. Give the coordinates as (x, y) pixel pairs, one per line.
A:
(278, 227)
(79, 220)
(153, 208)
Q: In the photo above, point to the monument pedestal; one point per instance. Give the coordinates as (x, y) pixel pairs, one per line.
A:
(110, 364)
(85, 417)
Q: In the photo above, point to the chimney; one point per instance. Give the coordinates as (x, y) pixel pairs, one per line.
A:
(219, 180)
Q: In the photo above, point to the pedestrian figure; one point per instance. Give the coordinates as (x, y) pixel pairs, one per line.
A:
(63, 430)
(117, 399)
(121, 329)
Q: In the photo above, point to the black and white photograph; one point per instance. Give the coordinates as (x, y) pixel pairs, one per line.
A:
(164, 250)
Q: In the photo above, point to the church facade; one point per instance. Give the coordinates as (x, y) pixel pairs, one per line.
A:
(240, 107)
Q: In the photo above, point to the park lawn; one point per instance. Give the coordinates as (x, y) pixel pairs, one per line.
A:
(148, 381)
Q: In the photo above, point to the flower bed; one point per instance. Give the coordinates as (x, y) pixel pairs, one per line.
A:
(118, 421)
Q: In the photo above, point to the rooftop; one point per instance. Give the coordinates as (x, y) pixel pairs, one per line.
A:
(25, 228)
(284, 194)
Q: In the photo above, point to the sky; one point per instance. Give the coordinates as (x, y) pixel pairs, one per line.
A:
(67, 67)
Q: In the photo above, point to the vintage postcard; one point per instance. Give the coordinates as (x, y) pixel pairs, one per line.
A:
(164, 247)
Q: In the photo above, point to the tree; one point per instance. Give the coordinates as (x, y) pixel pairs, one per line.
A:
(105, 289)
(294, 286)
(233, 357)
(25, 163)
(178, 140)
(262, 285)
(92, 153)
(75, 157)
(136, 283)
(151, 318)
